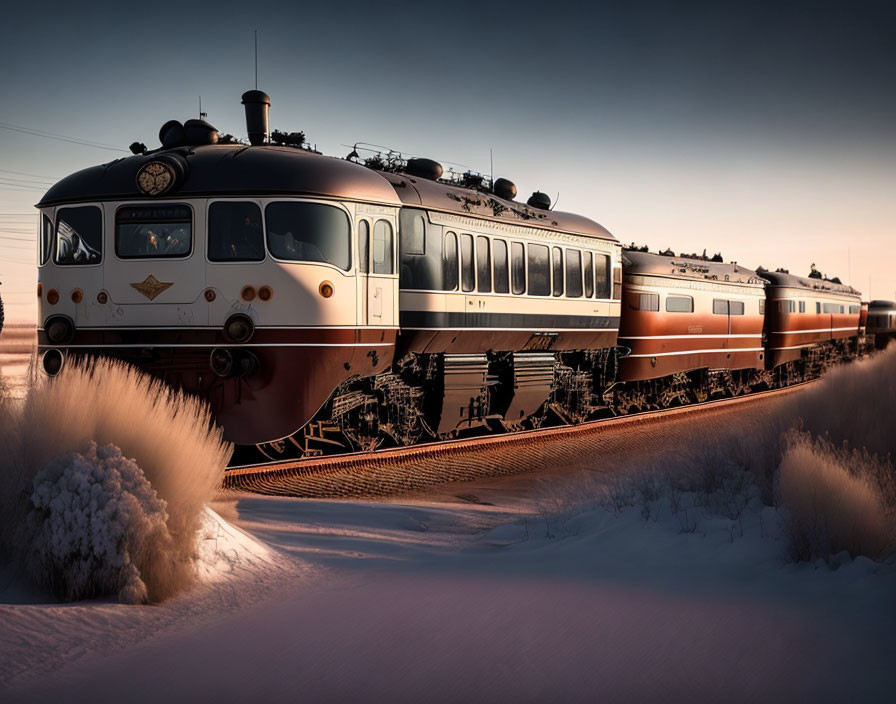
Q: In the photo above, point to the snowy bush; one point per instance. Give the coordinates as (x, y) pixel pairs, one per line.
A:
(160, 434)
(96, 524)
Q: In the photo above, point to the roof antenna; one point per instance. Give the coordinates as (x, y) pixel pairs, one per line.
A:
(491, 161)
(556, 200)
(202, 115)
(256, 59)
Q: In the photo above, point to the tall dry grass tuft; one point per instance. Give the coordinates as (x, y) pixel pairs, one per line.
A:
(169, 436)
(833, 501)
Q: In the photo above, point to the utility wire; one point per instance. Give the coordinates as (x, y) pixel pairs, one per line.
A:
(59, 137)
(25, 173)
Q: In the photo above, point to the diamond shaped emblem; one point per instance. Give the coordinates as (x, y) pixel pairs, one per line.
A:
(151, 286)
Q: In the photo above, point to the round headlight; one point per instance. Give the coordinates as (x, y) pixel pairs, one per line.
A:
(53, 362)
(59, 329)
(221, 362)
(239, 328)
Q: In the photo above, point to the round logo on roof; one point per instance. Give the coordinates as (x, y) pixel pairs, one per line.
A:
(156, 177)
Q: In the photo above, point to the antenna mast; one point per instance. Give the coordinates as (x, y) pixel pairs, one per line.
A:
(256, 59)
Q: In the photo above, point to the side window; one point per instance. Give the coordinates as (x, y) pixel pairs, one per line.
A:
(854, 310)
(483, 265)
(761, 306)
(518, 267)
(363, 246)
(589, 274)
(309, 232)
(736, 307)
(449, 262)
(719, 306)
(413, 232)
(817, 307)
(539, 282)
(601, 276)
(557, 260)
(573, 273)
(79, 235)
(786, 306)
(468, 275)
(644, 301)
(679, 304)
(802, 306)
(46, 239)
(383, 248)
(502, 275)
(235, 233)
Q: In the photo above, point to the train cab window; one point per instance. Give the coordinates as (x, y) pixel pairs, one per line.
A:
(79, 235)
(467, 272)
(310, 232)
(736, 307)
(539, 278)
(589, 275)
(601, 276)
(557, 267)
(483, 265)
(46, 239)
(502, 275)
(235, 233)
(153, 232)
(449, 262)
(679, 304)
(573, 273)
(383, 248)
(802, 306)
(363, 246)
(518, 267)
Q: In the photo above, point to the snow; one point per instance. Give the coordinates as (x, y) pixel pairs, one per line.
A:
(441, 599)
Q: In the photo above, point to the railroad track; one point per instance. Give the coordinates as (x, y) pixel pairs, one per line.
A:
(407, 469)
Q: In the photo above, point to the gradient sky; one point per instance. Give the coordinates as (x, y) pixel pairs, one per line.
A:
(766, 130)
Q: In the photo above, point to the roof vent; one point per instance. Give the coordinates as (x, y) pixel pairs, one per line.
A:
(504, 189)
(200, 132)
(172, 135)
(257, 104)
(539, 200)
(424, 168)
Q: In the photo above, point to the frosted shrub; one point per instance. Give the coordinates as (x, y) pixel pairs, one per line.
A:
(162, 435)
(830, 506)
(96, 526)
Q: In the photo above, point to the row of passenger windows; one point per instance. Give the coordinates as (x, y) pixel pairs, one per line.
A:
(791, 306)
(650, 302)
(435, 260)
(296, 231)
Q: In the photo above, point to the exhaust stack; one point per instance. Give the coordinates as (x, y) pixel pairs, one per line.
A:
(257, 105)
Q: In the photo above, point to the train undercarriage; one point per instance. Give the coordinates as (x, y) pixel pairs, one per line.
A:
(432, 397)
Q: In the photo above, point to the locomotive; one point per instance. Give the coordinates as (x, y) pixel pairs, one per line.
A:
(322, 305)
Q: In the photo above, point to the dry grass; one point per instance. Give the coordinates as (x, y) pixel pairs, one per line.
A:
(170, 436)
(833, 501)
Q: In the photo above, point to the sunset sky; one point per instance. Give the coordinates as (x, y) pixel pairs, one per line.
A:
(765, 130)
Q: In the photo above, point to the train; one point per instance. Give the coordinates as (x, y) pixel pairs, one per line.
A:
(329, 305)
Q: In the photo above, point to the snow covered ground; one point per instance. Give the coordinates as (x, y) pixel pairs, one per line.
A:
(498, 596)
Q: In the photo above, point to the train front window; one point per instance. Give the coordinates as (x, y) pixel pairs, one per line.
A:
(312, 232)
(79, 235)
(153, 231)
(46, 239)
(235, 233)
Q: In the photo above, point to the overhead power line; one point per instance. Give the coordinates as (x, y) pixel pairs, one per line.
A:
(59, 137)
(25, 173)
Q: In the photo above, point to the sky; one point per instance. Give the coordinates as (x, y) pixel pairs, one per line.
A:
(764, 130)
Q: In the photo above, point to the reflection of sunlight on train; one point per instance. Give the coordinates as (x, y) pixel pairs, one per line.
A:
(323, 305)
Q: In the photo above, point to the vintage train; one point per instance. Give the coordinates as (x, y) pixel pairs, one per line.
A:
(323, 305)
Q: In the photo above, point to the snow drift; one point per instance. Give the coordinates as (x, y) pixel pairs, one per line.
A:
(104, 474)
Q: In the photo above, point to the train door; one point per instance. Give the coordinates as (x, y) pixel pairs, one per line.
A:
(363, 235)
(381, 301)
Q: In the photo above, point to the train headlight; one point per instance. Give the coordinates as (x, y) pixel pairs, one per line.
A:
(221, 362)
(239, 328)
(60, 329)
(52, 362)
